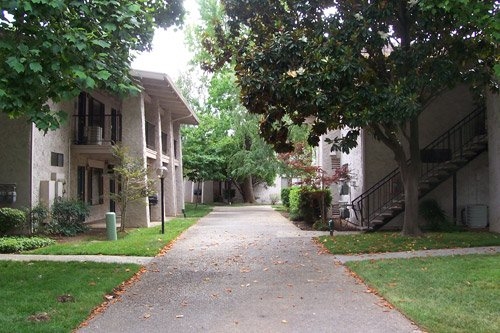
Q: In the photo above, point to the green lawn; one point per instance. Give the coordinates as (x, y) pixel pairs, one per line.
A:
(393, 242)
(30, 290)
(441, 294)
(135, 242)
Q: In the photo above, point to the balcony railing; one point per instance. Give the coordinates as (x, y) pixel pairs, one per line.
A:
(91, 131)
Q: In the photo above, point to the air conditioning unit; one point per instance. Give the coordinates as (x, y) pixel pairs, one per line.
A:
(476, 216)
(94, 135)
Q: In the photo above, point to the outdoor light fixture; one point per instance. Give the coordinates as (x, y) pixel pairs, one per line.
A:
(162, 172)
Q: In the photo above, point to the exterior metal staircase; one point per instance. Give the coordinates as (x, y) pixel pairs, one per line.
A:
(440, 160)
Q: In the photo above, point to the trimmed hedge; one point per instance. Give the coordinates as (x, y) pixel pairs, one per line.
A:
(294, 202)
(19, 244)
(285, 197)
(11, 218)
(305, 203)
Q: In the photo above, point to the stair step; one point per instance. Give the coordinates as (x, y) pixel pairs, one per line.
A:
(438, 169)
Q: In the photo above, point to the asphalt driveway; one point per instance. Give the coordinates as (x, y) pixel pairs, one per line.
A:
(247, 269)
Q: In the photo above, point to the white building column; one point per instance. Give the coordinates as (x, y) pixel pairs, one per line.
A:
(170, 184)
(179, 180)
(156, 210)
(493, 115)
(134, 139)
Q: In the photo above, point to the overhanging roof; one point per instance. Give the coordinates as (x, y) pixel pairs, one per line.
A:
(160, 87)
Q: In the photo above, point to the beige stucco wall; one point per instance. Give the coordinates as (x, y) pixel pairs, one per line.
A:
(43, 174)
(15, 152)
(370, 161)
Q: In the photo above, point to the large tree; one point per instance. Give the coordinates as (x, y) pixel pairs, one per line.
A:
(226, 145)
(354, 64)
(53, 49)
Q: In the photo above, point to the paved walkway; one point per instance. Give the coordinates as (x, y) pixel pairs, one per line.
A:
(247, 269)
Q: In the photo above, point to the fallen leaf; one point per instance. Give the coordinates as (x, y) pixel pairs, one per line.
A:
(147, 315)
(41, 316)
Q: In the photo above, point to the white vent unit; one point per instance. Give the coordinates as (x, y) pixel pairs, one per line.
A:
(94, 135)
(476, 216)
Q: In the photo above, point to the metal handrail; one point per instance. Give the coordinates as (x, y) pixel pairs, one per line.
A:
(447, 147)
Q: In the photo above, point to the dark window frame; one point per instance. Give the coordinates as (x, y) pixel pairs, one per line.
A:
(56, 159)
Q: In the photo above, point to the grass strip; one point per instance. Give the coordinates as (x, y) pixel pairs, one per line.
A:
(146, 242)
(441, 294)
(55, 296)
(378, 242)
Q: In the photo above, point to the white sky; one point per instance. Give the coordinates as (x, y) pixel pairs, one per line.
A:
(169, 54)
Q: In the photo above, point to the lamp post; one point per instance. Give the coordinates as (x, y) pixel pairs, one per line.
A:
(161, 172)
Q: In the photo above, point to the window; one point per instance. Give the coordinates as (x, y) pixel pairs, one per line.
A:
(96, 113)
(90, 185)
(335, 162)
(164, 142)
(56, 159)
(95, 186)
(116, 126)
(150, 135)
(80, 191)
(175, 148)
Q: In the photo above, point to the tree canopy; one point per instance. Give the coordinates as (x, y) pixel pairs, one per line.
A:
(357, 64)
(226, 145)
(50, 50)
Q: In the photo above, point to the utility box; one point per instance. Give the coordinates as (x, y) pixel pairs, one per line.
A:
(476, 216)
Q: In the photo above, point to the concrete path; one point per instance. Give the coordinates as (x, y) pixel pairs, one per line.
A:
(423, 253)
(247, 269)
(79, 258)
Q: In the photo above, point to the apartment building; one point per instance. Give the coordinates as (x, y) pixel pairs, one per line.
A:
(77, 161)
(460, 150)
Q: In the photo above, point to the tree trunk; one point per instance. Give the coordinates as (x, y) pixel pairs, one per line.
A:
(247, 190)
(410, 172)
(123, 216)
(410, 175)
(410, 183)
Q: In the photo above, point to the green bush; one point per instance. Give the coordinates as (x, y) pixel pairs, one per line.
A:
(310, 203)
(11, 218)
(18, 244)
(68, 217)
(294, 203)
(39, 216)
(320, 226)
(285, 197)
(434, 216)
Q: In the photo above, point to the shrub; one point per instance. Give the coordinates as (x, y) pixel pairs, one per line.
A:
(311, 203)
(285, 197)
(229, 194)
(68, 217)
(11, 218)
(274, 198)
(320, 226)
(294, 202)
(18, 244)
(434, 216)
(39, 216)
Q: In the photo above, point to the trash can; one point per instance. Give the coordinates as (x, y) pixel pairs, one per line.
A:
(111, 226)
